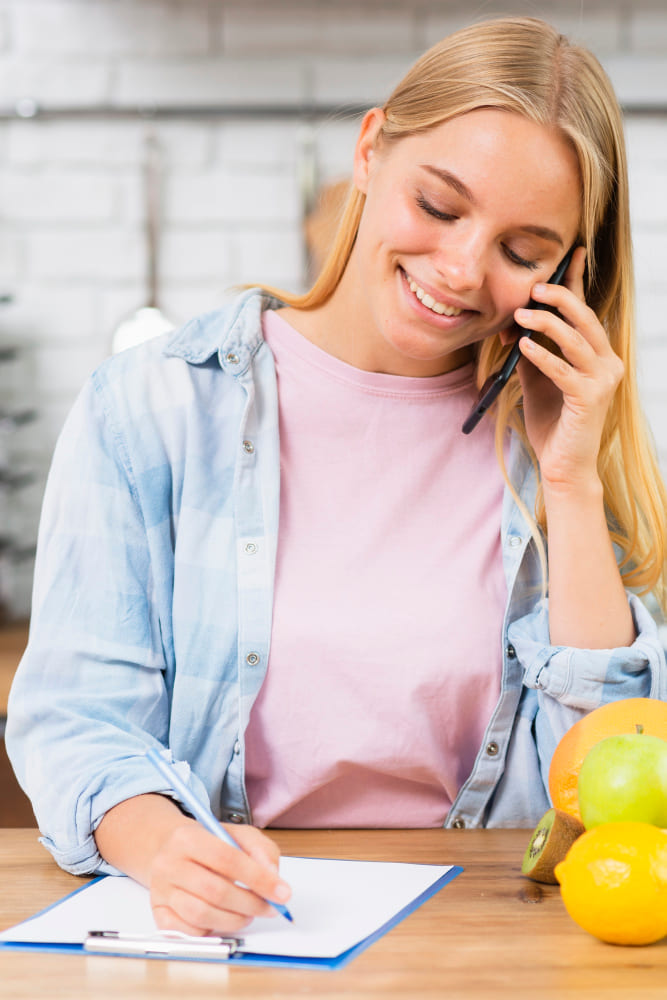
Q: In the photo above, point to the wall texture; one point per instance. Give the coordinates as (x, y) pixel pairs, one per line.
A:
(86, 85)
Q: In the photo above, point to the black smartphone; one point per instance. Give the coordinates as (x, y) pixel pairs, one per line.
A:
(494, 383)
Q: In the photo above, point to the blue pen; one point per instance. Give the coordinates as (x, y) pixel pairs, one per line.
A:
(200, 812)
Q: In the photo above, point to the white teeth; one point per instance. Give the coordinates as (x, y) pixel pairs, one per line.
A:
(437, 307)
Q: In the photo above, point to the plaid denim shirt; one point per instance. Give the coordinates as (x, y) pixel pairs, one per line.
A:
(153, 599)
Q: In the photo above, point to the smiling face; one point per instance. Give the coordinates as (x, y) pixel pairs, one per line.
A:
(459, 222)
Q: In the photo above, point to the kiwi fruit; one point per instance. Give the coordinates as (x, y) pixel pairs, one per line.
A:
(553, 836)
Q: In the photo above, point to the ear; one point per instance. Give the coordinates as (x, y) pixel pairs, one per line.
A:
(366, 147)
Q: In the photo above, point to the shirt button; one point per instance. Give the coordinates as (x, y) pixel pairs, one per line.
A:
(492, 749)
(511, 651)
(515, 540)
(251, 548)
(237, 747)
(248, 447)
(232, 358)
(235, 818)
(252, 659)
(459, 824)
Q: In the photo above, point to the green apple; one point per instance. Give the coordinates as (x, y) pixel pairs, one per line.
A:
(624, 778)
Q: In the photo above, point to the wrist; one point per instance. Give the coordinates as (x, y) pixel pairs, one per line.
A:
(132, 832)
(582, 489)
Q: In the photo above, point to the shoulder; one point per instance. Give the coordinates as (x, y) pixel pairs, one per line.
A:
(236, 324)
(224, 340)
(150, 391)
(234, 327)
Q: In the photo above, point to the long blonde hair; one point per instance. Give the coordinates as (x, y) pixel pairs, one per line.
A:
(525, 66)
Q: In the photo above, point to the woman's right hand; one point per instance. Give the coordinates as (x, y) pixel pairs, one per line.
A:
(193, 877)
(194, 880)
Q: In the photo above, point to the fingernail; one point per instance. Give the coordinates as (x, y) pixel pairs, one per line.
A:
(539, 288)
(523, 314)
(270, 863)
(282, 892)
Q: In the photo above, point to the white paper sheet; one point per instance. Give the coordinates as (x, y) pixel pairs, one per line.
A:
(335, 904)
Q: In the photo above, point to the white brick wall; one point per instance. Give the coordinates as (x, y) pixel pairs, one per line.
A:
(254, 29)
(72, 240)
(117, 27)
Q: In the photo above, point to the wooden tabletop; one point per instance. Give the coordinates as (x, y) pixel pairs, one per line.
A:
(488, 934)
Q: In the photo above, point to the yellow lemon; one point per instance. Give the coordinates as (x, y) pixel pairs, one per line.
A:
(614, 882)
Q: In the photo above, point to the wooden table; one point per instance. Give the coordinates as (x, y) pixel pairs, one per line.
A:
(15, 809)
(488, 934)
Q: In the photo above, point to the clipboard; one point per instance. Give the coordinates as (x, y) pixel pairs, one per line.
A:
(340, 908)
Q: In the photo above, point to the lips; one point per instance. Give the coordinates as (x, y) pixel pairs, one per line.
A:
(440, 308)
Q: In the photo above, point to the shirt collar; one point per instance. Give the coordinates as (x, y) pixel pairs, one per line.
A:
(233, 332)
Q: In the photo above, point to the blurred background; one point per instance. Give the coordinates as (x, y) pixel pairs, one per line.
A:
(154, 153)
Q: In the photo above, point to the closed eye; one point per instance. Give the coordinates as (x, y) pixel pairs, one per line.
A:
(512, 255)
(433, 211)
(532, 265)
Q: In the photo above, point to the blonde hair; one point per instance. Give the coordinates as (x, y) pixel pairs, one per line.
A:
(523, 65)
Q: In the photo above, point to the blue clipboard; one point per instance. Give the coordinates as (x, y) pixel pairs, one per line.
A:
(234, 957)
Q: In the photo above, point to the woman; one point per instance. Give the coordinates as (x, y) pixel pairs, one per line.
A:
(288, 474)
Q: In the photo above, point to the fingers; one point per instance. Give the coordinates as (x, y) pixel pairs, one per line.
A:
(199, 908)
(566, 394)
(574, 346)
(542, 292)
(167, 919)
(257, 845)
(582, 378)
(585, 349)
(587, 389)
(576, 331)
(199, 884)
(573, 311)
(574, 276)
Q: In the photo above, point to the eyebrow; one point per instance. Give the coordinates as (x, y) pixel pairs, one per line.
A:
(544, 232)
(454, 182)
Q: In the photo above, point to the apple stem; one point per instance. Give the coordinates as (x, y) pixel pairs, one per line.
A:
(639, 727)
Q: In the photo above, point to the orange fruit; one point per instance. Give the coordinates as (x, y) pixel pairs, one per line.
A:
(614, 882)
(608, 720)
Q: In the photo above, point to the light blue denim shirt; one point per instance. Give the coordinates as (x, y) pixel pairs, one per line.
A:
(154, 588)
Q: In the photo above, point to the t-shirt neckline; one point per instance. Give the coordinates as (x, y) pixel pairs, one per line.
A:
(276, 326)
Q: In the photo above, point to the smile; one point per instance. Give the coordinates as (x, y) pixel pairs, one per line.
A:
(427, 300)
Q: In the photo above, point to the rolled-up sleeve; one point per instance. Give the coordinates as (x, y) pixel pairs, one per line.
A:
(570, 682)
(585, 678)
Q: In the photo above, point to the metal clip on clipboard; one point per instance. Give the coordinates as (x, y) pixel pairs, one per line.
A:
(163, 944)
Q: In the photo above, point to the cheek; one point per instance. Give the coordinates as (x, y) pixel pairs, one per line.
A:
(507, 297)
(513, 293)
(399, 228)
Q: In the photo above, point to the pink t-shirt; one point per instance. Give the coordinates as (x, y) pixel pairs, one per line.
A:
(385, 657)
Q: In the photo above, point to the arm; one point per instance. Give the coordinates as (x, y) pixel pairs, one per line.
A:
(95, 689)
(588, 605)
(191, 874)
(566, 401)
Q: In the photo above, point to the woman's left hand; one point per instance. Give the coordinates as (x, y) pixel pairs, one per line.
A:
(566, 399)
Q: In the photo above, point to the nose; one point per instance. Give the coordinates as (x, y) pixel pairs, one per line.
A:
(461, 263)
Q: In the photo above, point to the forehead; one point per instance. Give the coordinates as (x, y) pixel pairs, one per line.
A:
(500, 155)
